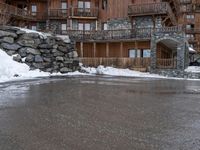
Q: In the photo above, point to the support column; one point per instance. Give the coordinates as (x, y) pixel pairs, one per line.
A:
(81, 46)
(121, 49)
(153, 54)
(107, 49)
(181, 57)
(94, 49)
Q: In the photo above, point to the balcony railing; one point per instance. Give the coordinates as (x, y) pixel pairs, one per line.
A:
(84, 12)
(192, 31)
(39, 15)
(14, 11)
(58, 13)
(152, 9)
(109, 34)
(121, 62)
(185, 1)
(121, 34)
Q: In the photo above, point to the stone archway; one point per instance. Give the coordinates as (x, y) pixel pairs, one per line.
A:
(174, 44)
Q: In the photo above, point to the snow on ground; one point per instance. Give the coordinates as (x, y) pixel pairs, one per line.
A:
(101, 70)
(12, 70)
(193, 69)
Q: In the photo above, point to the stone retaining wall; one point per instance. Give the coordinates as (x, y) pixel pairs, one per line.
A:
(47, 53)
(177, 74)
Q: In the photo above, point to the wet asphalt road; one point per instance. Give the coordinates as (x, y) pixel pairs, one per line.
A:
(100, 113)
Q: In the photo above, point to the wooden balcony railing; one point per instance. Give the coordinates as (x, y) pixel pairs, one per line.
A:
(185, 1)
(121, 34)
(109, 34)
(39, 15)
(14, 11)
(152, 9)
(166, 63)
(84, 12)
(117, 62)
(58, 13)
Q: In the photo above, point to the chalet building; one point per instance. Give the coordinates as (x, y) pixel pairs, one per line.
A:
(126, 33)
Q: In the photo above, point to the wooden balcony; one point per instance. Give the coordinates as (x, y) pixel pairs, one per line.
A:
(162, 8)
(58, 13)
(13, 11)
(109, 35)
(39, 16)
(121, 62)
(89, 13)
(192, 31)
(185, 1)
(115, 35)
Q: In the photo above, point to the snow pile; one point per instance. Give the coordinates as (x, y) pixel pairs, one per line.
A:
(43, 35)
(12, 70)
(193, 69)
(118, 72)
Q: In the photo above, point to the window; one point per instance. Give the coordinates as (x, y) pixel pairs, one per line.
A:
(63, 27)
(80, 4)
(34, 10)
(138, 53)
(80, 26)
(104, 4)
(33, 27)
(132, 53)
(105, 26)
(86, 5)
(64, 7)
(87, 27)
(146, 53)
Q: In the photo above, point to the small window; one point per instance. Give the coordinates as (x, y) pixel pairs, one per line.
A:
(87, 27)
(132, 53)
(105, 26)
(104, 4)
(146, 53)
(63, 5)
(33, 27)
(34, 10)
(63, 27)
(80, 4)
(80, 26)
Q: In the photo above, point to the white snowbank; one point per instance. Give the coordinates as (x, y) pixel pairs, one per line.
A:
(119, 72)
(65, 38)
(193, 69)
(43, 35)
(12, 70)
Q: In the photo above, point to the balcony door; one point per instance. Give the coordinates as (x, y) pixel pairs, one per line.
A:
(84, 6)
(64, 7)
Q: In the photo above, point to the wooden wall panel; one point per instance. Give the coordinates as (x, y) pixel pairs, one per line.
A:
(114, 50)
(101, 50)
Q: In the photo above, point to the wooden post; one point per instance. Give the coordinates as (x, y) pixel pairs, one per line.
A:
(121, 49)
(94, 48)
(81, 45)
(107, 49)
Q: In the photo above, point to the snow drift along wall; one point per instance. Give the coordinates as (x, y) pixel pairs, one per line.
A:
(40, 51)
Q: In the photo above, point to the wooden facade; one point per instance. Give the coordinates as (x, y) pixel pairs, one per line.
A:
(88, 23)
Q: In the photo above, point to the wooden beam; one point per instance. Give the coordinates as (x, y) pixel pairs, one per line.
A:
(81, 46)
(94, 49)
(107, 49)
(121, 49)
